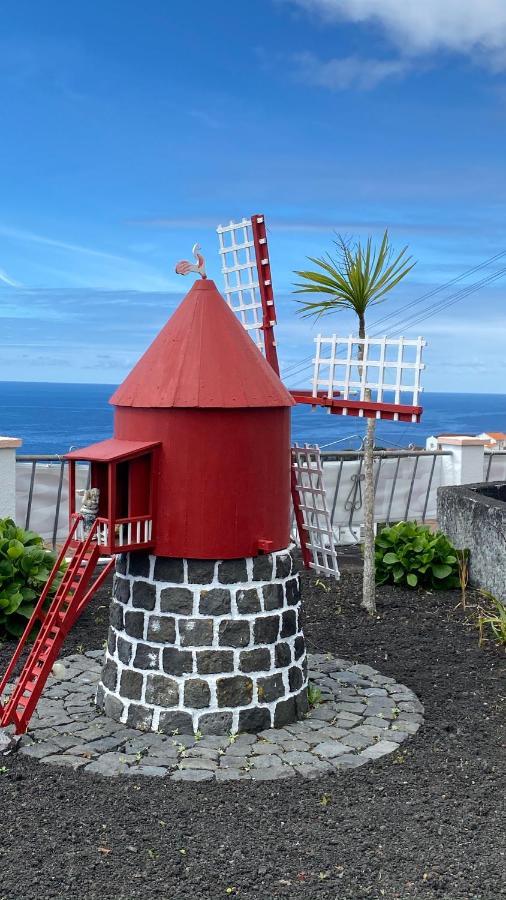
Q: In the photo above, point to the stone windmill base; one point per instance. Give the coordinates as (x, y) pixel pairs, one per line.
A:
(206, 646)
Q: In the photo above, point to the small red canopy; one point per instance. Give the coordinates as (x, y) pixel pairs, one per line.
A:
(112, 450)
(203, 357)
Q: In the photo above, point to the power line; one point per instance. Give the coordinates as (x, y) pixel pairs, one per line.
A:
(422, 315)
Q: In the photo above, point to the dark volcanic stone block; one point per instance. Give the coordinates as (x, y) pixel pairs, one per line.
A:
(285, 712)
(283, 565)
(110, 675)
(212, 662)
(113, 706)
(125, 650)
(116, 616)
(270, 688)
(282, 655)
(235, 691)
(295, 678)
(273, 596)
(177, 662)
(162, 691)
(304, 667)
(254, 719)
(175, 722)
(215, 723)
(292, 592)
(134, 624)
(299, 646)
(255, 660)
(139, 717)
(176, 600)
(232, 571)
(195, 632)
(288, 623)
(121, 563)
(99, 697)
(262, 568)
(200, 571)
(234, 633)
(146, 657)
(169, 570)
(143, 595)
(302, 703)
(121, 589)
(111, 641)
(138, 564)
(266, 630)
(197, 693)
(161, 629)
(131, 684)
(216, 602)
(247, 601)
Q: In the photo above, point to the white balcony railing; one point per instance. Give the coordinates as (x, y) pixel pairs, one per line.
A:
(125, 532)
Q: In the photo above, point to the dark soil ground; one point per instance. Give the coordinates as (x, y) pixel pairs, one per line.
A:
(428, 822)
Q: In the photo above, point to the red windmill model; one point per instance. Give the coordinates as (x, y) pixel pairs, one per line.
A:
(388, 366)
(193, 499)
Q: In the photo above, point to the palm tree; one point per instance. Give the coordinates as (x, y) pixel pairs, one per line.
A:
(357, 278)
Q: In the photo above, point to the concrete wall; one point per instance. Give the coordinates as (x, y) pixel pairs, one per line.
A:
(8, 447)
(474, 517)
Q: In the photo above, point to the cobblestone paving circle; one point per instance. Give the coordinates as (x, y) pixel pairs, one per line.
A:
(361, 717)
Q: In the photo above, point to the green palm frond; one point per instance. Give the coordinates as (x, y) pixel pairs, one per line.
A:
(357, 278)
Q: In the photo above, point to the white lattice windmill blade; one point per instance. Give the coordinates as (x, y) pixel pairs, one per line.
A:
(246, 270)
(248, 291)
(311, 512)
(373, 377)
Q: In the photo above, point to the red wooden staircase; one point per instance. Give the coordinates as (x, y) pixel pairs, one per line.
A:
(72, 596)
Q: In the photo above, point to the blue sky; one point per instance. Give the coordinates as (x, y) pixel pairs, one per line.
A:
(130, 130)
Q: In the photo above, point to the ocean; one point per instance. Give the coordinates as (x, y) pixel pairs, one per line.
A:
(52, 418)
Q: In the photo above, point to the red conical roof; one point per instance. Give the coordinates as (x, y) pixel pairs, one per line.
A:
(203, 357)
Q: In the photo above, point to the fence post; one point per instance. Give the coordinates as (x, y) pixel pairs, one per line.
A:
(8, 446)
(467, 457)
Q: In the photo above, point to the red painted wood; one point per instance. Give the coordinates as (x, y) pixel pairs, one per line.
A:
(111, 450)
(224, 478)
(203, 357)
(265, 286)
(66, 606)
(299, 518)
(357, 407)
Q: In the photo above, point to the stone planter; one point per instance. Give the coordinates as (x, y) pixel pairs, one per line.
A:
(204, 645)
(473, 516)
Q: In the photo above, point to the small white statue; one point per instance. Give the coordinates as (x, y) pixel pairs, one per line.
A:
(89, 507)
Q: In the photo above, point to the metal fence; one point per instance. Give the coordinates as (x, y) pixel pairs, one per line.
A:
(494, 468)
(406, 483)
(42, 494)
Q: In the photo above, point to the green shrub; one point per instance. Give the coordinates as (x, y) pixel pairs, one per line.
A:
(24, 569)
(412, 555)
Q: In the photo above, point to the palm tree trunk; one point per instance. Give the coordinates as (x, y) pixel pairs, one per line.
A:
(369, 579)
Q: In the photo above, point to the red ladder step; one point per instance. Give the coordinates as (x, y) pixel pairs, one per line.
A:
(67, 605)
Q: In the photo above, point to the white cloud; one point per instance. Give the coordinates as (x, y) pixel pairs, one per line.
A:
(6, 279)
(350, 71)
(424, 26)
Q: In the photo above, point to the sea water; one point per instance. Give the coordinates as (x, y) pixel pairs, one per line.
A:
(52, 418)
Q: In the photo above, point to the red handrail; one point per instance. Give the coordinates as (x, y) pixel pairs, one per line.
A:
(38, 611)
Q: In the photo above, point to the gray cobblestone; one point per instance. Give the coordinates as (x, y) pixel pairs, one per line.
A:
(355, 726)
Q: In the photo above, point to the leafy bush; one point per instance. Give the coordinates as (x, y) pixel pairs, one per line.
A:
(412, 555)
(24, 569)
